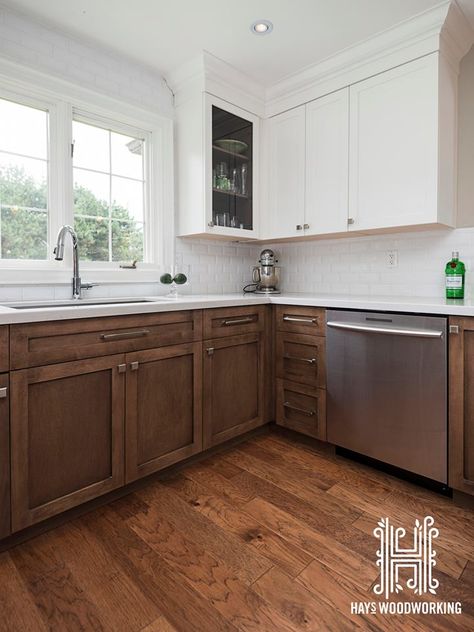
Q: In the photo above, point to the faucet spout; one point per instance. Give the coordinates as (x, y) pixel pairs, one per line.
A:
(59, 255)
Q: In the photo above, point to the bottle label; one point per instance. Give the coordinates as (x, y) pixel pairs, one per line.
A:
(454, 281)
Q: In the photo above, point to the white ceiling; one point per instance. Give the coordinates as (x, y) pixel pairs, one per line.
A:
(165, 33)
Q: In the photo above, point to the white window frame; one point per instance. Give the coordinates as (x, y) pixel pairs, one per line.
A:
(62, 99)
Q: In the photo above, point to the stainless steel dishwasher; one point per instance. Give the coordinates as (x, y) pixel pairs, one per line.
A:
(387, 388)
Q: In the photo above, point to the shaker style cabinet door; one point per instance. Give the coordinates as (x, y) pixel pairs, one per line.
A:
(164, 412)
(461, 404)
(66, 436)
(285, 175)
(327, 164)
(393, 165)
(233, 387)
(5, 527)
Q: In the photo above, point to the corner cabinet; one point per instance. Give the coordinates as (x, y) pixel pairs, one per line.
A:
(217, 158)
(461, 404)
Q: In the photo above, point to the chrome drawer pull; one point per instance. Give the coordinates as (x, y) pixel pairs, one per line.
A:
(3, 392)
(125, 334)
(295, 319)
(238, 321)
(308, 360)
(303, 411)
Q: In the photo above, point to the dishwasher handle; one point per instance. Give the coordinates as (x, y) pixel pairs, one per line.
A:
(391, 331)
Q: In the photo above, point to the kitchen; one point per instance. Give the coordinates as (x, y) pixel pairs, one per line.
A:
(236, 316)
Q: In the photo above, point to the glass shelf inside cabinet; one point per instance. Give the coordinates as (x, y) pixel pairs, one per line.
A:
(231, 170)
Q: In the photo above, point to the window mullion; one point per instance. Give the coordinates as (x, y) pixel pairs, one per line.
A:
(60, 170)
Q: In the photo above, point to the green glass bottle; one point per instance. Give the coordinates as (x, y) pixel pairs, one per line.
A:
(455, 275)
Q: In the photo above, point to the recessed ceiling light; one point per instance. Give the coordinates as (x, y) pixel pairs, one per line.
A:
(261, 27)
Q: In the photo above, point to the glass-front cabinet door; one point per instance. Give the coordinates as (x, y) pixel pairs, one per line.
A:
(231, 174)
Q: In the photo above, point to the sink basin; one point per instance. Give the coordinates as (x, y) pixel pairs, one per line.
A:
(78, 303)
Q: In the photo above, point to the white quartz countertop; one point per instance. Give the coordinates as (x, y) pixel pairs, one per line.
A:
(86, 309)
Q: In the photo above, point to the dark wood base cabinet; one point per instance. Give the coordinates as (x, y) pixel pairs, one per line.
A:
(461, 404)
(164, 417)
(5, 525)
(233, 387)
(67, 429)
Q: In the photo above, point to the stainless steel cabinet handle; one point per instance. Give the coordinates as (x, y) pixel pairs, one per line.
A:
(238, 321)
(210, 224)
(308, 360)
(3, 392)
(453, 329)
(210, 351)
(296, 319)
(350, 220)
(299, 227)
(303, 411)
(134, 366)
(306, 226)
(122, 368)
(391, 331)
(123, 335)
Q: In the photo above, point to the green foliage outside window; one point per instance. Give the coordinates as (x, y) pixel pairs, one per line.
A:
(24, 221)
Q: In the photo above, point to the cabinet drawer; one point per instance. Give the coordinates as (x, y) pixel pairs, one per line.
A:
(301, 408)
(301, 358)
(232, 321)
(36, 344)
(301, 320)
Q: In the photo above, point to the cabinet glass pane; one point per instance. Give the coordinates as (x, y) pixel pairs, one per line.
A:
(231, 170)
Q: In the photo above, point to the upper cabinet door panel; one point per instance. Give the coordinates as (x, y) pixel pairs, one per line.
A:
(285, 145)
(394, 147)
(327, 164)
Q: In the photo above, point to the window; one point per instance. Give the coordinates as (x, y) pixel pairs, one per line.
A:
(70, 156)
(23, 181)
(109, 192)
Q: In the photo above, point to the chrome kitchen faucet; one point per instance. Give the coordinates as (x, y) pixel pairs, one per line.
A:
(77, 286)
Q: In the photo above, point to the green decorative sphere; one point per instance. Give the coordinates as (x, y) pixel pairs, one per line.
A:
(166, 278)
(180, 278)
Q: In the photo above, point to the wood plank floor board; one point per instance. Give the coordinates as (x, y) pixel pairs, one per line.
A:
(272, 535)
(220, 543)
(320, 546)
(268, 543)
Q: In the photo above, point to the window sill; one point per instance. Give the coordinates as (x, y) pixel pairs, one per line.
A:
(47, 273)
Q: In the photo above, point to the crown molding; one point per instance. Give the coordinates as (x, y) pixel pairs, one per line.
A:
(211, 74)
(444, 29)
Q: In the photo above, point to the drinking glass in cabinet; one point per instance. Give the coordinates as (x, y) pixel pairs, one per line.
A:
(232, 146)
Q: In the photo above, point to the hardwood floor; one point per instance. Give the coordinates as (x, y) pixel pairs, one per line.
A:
(271, 535)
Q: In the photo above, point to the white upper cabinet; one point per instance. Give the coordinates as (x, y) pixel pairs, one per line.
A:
(284, 159)
(327, 157)
(399, 161)
(217, 146)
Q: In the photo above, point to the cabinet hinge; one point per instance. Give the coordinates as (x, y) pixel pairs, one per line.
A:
(210, 351)
(134, 366)
(122, 368)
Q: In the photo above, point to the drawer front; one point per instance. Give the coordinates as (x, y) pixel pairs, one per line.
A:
(37, 344)
(301, 408)
(233, 321)
(301, 358)
(301, 320)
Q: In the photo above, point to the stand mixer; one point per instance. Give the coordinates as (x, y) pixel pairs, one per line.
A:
(266, 276)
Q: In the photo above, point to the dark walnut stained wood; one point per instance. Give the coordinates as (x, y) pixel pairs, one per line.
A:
(4, 348)
(67, 436)
(164, 410)
(273, 535)
(301, 358)
(231, 321)
(461, 405)
(5, 526)
(37, 344)
(233, 386)
(300, 320)
(301, 408)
